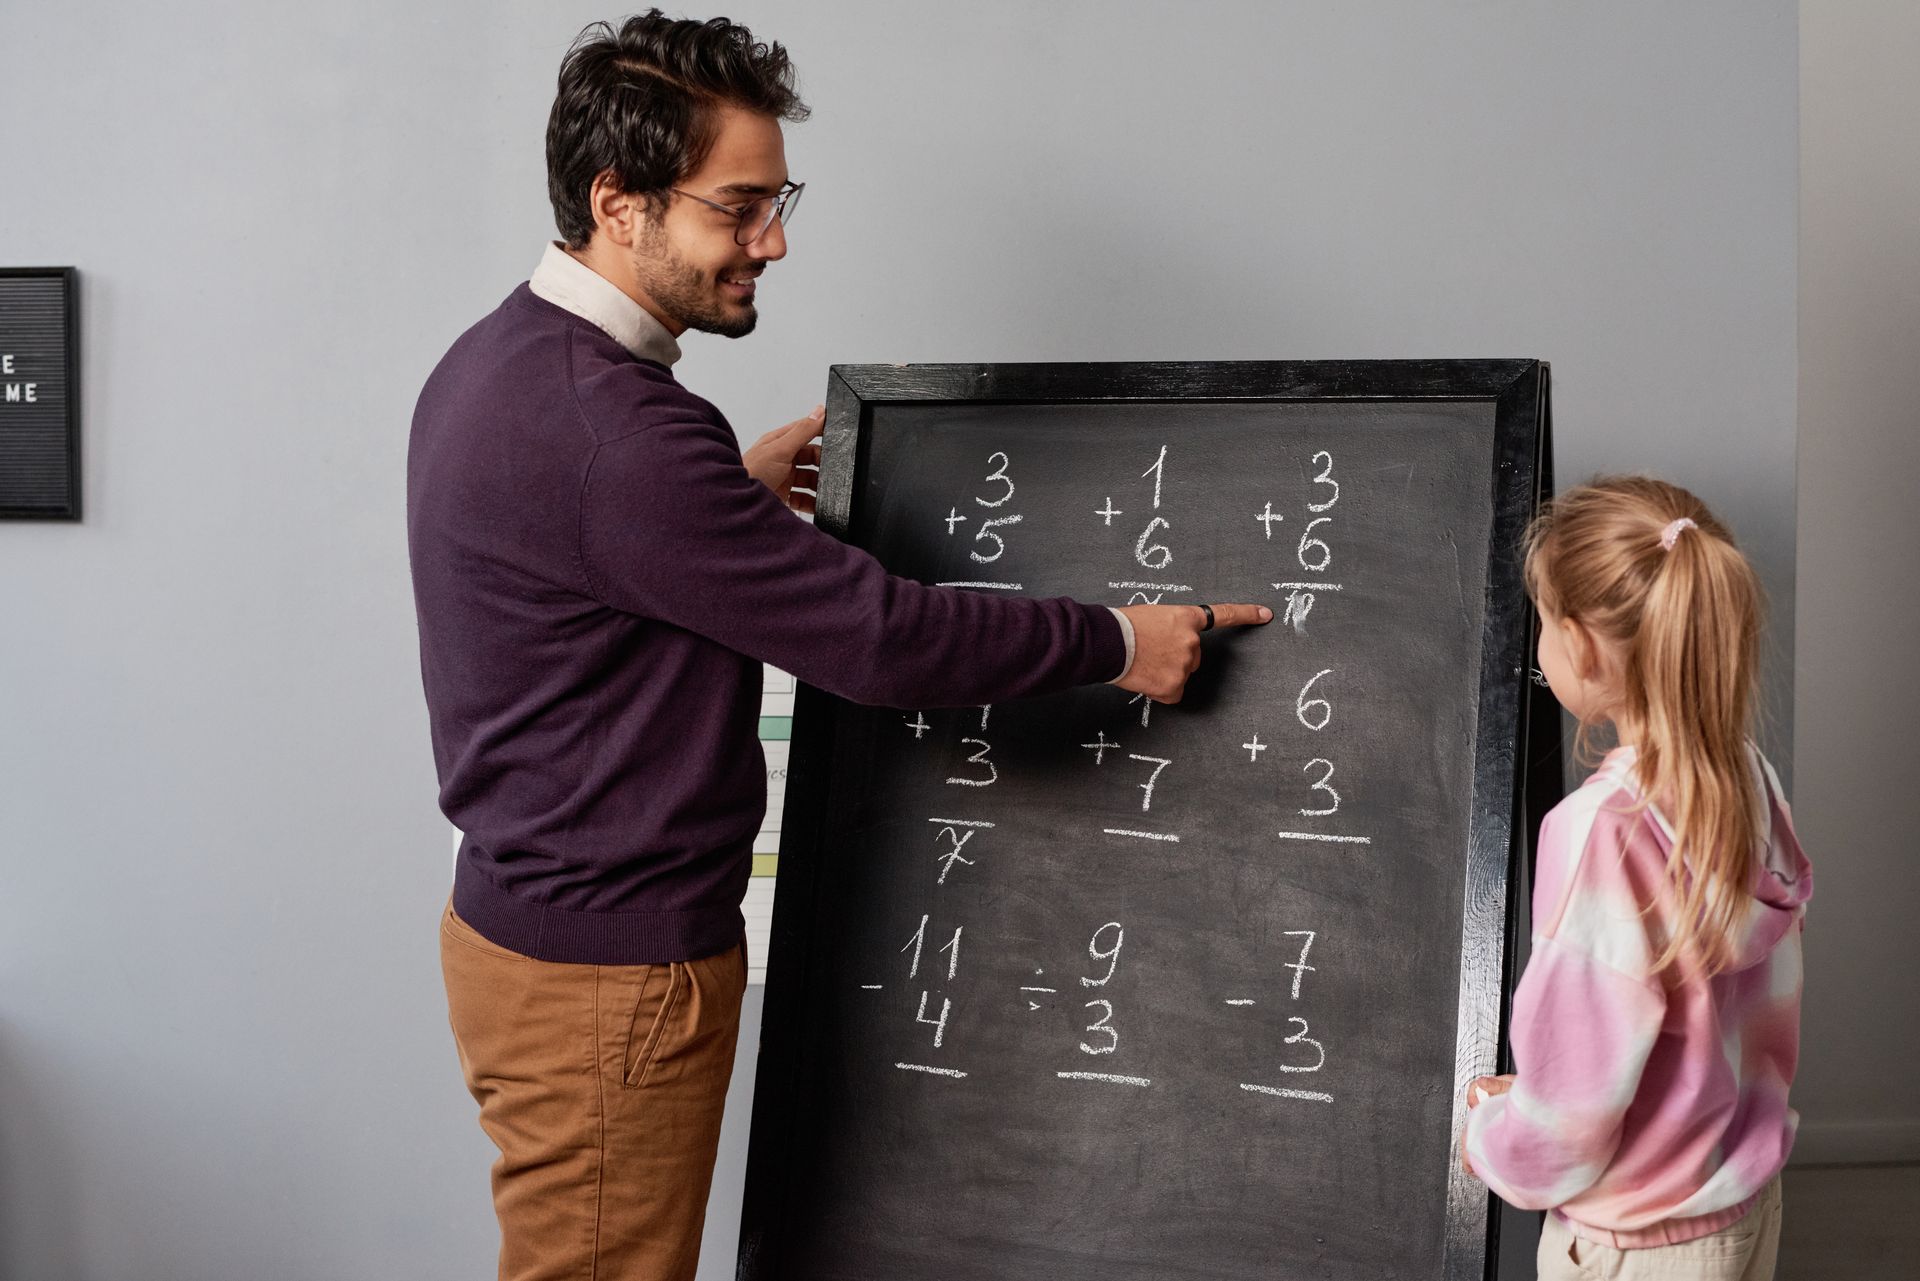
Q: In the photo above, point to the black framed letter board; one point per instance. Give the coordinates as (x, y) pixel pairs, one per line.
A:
(39, 393)
(1088, 989)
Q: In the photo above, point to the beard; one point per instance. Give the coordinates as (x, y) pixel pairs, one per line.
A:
(681, 290)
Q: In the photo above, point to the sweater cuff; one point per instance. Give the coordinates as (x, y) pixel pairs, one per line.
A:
(1126, 633)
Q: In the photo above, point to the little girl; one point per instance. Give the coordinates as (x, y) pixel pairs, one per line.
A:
(1657, 1025)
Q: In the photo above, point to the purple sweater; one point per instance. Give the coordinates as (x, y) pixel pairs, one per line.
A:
(598, 581)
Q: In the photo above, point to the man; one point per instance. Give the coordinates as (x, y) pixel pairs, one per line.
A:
(599, 576)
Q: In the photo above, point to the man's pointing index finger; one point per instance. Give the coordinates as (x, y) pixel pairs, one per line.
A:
(1239, 615)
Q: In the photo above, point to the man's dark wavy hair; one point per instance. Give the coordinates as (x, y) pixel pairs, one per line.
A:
(641, 99)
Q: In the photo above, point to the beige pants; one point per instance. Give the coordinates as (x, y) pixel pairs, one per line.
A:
(1742, 1251)
(602, 1086)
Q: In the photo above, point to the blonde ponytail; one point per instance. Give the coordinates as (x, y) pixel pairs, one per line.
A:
(1645, 566)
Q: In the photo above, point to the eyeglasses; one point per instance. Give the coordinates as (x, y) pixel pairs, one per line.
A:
(756, 215)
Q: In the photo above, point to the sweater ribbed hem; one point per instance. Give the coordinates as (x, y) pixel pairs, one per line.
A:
(592, 938)
(1667, 1232)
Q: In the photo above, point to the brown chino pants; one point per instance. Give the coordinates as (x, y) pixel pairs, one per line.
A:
(602, 1086)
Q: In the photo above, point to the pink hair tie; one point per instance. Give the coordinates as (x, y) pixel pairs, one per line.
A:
(1671, 533)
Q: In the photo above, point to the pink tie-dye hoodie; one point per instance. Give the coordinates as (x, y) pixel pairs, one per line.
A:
(1645, 1108)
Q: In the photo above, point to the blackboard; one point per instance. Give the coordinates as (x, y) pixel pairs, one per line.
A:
(1088, 989)
(39, 393)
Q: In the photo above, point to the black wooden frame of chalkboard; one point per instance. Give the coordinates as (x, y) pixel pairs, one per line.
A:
(1544, 782)
(69, 507)
(1516, 768)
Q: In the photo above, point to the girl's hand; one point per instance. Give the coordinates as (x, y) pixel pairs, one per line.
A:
(1479, 1090)
(1482, 1088)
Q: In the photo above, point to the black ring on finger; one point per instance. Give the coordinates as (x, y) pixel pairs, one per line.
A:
(1208, 611)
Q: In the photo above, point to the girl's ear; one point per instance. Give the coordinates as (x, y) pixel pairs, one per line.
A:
(1583, 652)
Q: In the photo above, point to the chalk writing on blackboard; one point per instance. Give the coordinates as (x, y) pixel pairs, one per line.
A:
(1099, 1028)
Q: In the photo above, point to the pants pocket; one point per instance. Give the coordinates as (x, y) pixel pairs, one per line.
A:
(1562, 1256)
(1580, 1254)
(661, 989)
(452, 927)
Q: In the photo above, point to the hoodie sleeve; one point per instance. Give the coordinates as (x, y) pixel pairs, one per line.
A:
(1586, 1015)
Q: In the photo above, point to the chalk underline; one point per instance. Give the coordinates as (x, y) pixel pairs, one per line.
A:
(1311, 1096)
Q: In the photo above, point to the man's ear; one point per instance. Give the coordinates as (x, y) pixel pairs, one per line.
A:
(617, 214)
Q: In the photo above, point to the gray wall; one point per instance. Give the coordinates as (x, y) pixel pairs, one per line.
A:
(222, 1043)
(1857, 699)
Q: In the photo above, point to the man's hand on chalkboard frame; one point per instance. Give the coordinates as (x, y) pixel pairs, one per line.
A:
(787, 461)
(1166, 644)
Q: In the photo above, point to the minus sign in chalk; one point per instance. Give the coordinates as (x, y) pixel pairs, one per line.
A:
(1242, 1001)
(870, 987)
(1009, 587)
(935, 1071)
(1145, 836)
(1104, 1076)
(1321, 836)
(1309, 1095)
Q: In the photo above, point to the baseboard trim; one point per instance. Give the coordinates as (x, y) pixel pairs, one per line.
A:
(1856, 1142)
